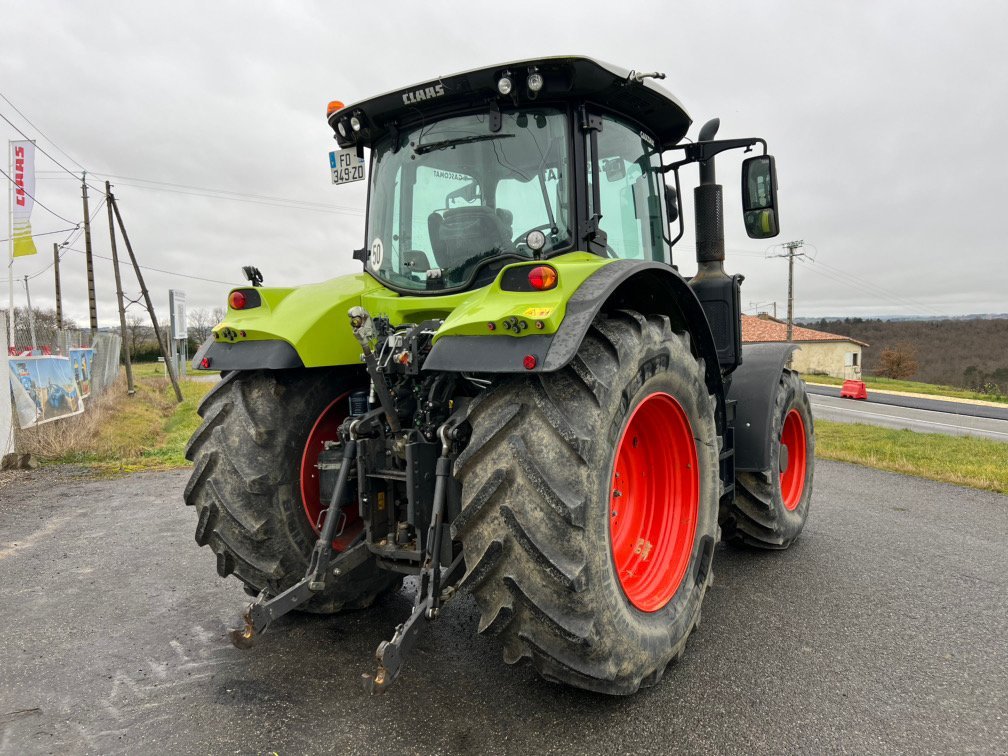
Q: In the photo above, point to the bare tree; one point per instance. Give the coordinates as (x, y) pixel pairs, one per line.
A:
(201, 323)
(139, 333)
(898, 361)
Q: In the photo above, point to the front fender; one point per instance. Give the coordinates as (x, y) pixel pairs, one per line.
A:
(754, 390)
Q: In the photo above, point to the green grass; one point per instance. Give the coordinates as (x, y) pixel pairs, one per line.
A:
(149, 431)
(965, 461)
(119, 433)
(912, 387)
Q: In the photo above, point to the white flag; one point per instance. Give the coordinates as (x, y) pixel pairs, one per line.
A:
(23, 163)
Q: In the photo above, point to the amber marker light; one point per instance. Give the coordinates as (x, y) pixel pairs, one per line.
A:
(542, 277)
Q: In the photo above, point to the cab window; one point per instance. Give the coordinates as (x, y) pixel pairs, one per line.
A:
(630, 192)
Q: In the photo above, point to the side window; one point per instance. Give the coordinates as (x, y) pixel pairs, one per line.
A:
(630, 192)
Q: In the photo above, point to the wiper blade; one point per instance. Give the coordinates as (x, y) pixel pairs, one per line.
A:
(424, 148)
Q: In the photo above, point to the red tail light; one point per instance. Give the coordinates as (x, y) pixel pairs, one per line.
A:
(237, 300)
(542, 277)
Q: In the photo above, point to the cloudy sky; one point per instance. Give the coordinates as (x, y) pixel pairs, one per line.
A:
(887, 120)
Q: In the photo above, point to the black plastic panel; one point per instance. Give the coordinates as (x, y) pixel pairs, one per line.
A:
(754, 388)
(248, 355)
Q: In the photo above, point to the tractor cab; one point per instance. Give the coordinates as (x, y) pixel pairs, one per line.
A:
(517, 162)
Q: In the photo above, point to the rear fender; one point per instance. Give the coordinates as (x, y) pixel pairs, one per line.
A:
(644, 286)
(754, 391)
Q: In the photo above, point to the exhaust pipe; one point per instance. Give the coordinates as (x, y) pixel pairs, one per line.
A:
(709, 213)
(719, 294)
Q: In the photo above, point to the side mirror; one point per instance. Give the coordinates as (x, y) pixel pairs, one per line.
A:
(671, 204)
(759, 197)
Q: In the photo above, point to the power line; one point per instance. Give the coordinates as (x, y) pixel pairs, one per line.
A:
(869, 285)
(43, 135)
(63, 245)
(278, 201)
(159, 270)
(841, 276)
(13, 126)
(65, 220)
(227, 194)
(226, 191)
(47, 233)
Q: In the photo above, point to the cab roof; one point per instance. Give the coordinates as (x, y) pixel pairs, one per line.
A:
(568, 78)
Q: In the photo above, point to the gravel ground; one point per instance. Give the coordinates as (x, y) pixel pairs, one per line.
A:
(882, 630)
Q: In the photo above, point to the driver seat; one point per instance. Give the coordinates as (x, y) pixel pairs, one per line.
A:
(465, 232)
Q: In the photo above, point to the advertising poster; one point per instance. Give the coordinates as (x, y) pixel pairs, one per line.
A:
(82, 360)
(44, 389)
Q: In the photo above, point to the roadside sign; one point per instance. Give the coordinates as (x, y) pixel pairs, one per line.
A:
(177, 305)
(346, 166)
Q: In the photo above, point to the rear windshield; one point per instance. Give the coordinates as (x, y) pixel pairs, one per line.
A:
(455, 201)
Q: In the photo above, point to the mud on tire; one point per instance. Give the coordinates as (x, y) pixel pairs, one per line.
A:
(760, 516)
(245, 484)
(536, 493)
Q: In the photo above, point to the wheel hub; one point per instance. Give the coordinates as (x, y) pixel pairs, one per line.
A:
(654, 502)
(326, 428)
(793, 453)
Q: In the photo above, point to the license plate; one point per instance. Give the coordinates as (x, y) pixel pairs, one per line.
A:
(346, 166)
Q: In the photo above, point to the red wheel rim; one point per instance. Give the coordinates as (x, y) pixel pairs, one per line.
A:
(792, 480)
(654, 501)
(325, 428)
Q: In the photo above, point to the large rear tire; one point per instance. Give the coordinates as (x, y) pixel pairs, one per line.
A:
(589, 507)
(258, 433)
(771, 506)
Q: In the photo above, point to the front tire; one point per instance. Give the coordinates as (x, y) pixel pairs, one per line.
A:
(771, 506)
(247, 483)
(574, 485)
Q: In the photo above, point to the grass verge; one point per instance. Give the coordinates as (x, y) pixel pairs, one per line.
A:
(149, 431)
(965, 461)
(119, 433)
(910, 387)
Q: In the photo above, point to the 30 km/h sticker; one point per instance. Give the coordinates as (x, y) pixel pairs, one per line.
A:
(346, 166)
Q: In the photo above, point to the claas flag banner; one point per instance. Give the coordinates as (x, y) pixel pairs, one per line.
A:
(23, 165)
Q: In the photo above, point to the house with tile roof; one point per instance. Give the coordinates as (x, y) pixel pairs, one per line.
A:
(818, 351)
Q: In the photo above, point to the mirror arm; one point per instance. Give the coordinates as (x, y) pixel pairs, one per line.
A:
(698, 152)
(682, 227)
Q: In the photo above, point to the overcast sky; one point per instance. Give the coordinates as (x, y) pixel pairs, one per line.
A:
(887, 120)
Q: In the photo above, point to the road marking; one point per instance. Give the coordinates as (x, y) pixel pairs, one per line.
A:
(911, 420)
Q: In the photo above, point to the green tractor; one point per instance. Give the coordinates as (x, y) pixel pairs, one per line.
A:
(519, 395)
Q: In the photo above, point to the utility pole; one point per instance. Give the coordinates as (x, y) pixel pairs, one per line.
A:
(792, 249)
(90, 262)
(119, 293)
(146, 295)
(59, 296)
(31, 317)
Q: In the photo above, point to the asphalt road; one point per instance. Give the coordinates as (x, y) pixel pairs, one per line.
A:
(917, 417)
(882, 630)
(972, 409)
